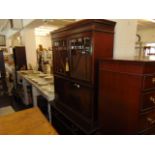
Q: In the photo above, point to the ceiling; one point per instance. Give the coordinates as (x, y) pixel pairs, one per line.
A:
(3, 23)
(142, 24)
(145, 24)
(51, 22)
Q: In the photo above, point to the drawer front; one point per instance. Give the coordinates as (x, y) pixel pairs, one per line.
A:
(148, 101)
(147, 121)
(149, 82)
(75, 96)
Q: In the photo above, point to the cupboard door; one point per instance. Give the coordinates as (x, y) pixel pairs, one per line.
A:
(60, 57)
(81, 58)
(60, 60)
(75, 96)
(81, 66)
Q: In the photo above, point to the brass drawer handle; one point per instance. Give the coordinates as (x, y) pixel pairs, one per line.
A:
(67, 65)
(152, 99)
(77, 85)
(153, 80)
(151, 121)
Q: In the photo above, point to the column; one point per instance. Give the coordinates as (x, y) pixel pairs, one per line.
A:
(125, 37)
(29, 41)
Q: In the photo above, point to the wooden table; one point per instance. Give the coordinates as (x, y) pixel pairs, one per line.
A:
(36, 90)
(26, 122)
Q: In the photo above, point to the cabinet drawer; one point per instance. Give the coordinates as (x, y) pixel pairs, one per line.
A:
(149, 82)
(147, 121)
(148, 100)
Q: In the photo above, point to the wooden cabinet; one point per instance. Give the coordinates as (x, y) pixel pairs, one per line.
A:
(126, 96)
(76, 49)
(19, 55)
(2, 65)
(3, 86)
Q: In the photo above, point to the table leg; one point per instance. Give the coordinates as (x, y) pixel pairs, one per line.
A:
(49, 112)
(26, 99)
(34, 94)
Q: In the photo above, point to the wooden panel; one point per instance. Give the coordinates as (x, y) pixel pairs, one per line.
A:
(83, 26)
(76, 96)
(81, 66)
(80, 47)
(60, 60)
(118, 104)
(103, 45)
(126, 91)
(123, 66)
(27, 122)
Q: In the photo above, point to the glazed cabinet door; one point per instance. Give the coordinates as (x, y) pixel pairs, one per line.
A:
(60, 57)
(81, 58)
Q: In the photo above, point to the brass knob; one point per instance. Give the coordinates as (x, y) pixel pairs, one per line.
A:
(152, 99)
(150, 120)
(153, 80)
(76, 85)
(67, 65)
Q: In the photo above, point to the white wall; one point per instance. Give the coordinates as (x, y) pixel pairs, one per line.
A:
(125, 37)
(27, 22)
(28, 40)
(16, 41)
(8, 42)
(43, 40)
(11, 32)
(147, 35)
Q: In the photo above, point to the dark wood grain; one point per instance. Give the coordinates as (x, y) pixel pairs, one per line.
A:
(3, 86)
(77, 48)
(123, 98)
(19, 54)
(2, 64)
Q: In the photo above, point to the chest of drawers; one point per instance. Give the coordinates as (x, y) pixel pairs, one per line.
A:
(126, 96)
